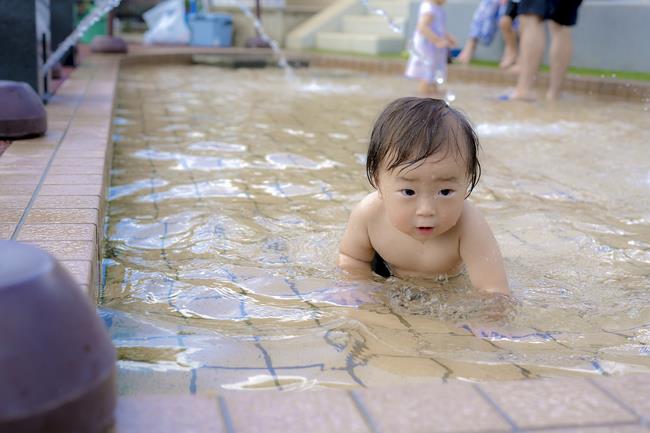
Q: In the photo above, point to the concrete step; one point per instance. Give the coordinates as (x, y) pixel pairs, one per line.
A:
(359, 43)
(371, 24)
(394, 8)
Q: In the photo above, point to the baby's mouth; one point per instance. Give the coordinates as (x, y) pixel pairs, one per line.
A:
(425, 229)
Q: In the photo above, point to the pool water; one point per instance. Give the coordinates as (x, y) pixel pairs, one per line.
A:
(231, 189)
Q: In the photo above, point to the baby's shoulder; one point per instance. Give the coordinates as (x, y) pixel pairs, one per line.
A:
(368, 207)
(471, 219)
(470, 213)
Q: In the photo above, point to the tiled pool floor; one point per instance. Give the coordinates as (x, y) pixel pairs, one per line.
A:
(52, 194)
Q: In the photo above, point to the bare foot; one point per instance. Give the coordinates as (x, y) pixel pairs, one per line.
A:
(464, 57)
(514, 68)
(552, 96)
(509, 58)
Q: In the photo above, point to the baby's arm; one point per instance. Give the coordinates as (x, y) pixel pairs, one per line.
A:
(424, 27)
(356, 252)
(451, 40)
(480, 252)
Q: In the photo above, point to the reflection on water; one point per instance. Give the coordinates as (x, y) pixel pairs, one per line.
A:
(230, 191)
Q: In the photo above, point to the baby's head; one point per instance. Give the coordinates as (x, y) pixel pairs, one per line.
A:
(411, 129)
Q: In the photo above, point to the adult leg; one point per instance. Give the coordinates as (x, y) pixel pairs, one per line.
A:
(531, 47)
(467, 53)
(510, 41)
(559, 56)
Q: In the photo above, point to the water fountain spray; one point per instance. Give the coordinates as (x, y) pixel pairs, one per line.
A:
(259, 28)
(382, 13)
(95, 15)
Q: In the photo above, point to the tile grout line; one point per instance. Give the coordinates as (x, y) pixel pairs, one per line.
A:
(41, 181)
(363, 411)
(225, 415)
(515, 428)
(562, 428)
(643, 420)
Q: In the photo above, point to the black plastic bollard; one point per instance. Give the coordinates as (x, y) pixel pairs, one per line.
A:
(57, 362)
(22, 114)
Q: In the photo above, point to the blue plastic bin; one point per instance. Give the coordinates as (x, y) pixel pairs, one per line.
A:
(210, 30)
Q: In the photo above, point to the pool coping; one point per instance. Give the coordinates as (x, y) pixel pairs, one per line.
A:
(53, 195)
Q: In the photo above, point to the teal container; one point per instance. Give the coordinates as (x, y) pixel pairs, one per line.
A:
(100, 28)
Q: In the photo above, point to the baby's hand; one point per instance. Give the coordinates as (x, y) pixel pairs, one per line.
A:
(348, 294)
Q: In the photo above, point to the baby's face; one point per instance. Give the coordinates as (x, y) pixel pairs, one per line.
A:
(425, 200)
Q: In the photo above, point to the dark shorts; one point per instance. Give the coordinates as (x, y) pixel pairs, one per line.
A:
(512, 9)
(379, 266)
(563, 12)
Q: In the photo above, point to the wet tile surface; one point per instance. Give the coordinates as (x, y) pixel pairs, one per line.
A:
(560, 405)
(432, 408)
(566, 403)
(167, 414)
(320, 411)
(631, 390)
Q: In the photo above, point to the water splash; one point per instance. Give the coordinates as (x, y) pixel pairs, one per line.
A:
(100, 10)
(382, 13)
(282, 58)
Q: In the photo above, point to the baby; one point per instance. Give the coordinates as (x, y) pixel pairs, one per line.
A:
(423, 163)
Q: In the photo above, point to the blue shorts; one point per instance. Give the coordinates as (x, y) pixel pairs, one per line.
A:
(485, 21)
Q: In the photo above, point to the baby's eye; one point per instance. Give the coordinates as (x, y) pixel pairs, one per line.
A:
(446, 192)
(407, 192)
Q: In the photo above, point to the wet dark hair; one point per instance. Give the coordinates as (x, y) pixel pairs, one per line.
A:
(411, 129)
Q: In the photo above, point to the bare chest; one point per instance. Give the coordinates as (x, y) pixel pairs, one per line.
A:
(407, 256)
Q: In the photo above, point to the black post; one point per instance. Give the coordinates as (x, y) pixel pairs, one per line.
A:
(25, 42)
(62, 25)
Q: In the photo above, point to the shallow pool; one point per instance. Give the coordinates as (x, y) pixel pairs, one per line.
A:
(230, 191)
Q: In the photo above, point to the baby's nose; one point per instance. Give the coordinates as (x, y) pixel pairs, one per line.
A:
(426, 207)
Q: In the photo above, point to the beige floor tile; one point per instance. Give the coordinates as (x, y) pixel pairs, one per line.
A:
(633, 390)
(19, 179)
(565, 403)
(81, 270)
(617, 428)
(68, 250)
(72, 190)
(76, 170)
(14, 201)
(432, 407)
(10, 215)
(66, 202)
(59, 232)
(6, 230)
(16, 189)
(60, 161)
(167, 414)
(70, 179)
(289, 412)
(62, 216)
(81, 154)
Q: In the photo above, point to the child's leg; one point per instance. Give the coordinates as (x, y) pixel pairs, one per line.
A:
(467, 53)
(510, 41)
(423, 87)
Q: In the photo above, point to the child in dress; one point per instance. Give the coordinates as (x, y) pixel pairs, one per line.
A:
(423, 162)
(428, 51)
